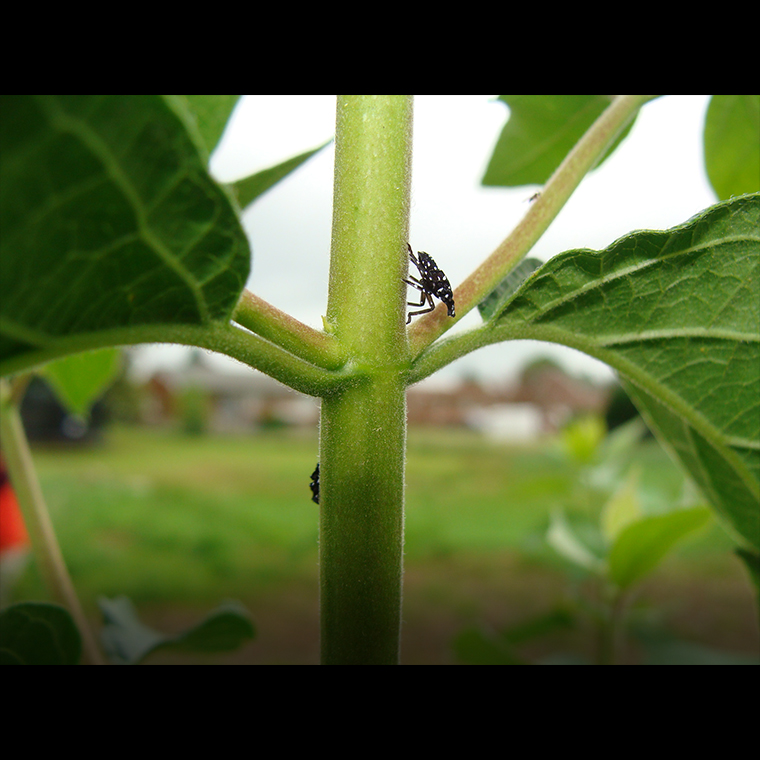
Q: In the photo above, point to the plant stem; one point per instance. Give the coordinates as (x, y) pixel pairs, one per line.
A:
(361, 524)
(283, 330)
(45, 546)
(558, 189)
(223, 337)
(612, 628)
(363, 428)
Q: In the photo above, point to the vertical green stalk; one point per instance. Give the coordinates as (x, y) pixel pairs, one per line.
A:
(37, 519)
(363, 427)
(611, 632)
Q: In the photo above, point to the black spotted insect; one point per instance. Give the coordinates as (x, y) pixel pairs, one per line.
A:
(314, 485)
(432, 282)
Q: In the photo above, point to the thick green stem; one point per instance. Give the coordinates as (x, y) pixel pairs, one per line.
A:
(363, 429)
(37, 519)
(362, 524)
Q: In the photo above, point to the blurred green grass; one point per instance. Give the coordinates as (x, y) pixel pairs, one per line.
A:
(181, 521)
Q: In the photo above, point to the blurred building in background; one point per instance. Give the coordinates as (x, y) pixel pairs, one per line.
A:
(543, 399)
(200, 397)
(204, 398)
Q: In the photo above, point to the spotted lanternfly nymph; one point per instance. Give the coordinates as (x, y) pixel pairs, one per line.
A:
(432, 282)
(314, 485)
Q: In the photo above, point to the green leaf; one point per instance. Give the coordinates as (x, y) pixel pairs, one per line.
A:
(475, 646)
(616, 453)
(495, 301)
(732, 144)
(540, 132)
(128, 641)
(207, 115)
(642, 545)
(583, 437)
(724, 466)
(81, 379)
(125, 639)
(250, 188)
(32, 633)
(561, 537)
(223, 630)
(677, 314)
(108, 221)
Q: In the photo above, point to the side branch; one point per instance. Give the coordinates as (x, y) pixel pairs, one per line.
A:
(581, 159)
(222, 337)
(260, 317)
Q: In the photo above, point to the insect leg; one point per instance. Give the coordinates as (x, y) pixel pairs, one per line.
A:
(415, 283)
(412, 257)
(423, 296)
(423, 311)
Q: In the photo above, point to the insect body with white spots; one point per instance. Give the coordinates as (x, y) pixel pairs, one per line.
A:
(432, 282)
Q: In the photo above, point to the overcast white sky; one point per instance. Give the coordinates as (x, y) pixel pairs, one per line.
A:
(654, 180)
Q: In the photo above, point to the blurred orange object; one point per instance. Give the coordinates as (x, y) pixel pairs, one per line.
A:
(13, 533)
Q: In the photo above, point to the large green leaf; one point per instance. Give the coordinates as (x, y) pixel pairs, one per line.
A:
(208, 114)
(495, 301)
(732, 144)
(108, 220)
(564, 540)
(677, 313)
(36, 633)
(539, 134)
